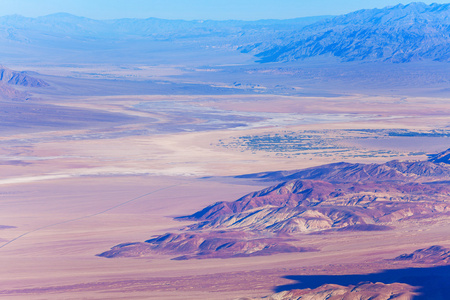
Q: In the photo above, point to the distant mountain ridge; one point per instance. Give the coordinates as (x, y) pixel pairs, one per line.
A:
(348, 172)
(401, 33)
(65, 24)
(71, 39)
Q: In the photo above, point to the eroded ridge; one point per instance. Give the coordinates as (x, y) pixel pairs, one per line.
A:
(337, 198)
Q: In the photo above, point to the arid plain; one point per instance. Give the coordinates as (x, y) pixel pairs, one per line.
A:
(72, 189)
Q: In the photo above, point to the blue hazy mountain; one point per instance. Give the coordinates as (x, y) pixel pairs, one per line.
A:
(64, 25)
(65, 38)
(401, 33)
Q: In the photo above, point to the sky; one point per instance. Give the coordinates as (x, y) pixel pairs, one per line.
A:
(192, 9)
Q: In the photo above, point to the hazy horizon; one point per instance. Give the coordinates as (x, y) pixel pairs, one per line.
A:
(250, 10)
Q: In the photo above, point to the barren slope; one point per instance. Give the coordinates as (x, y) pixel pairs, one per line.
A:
(374, 197)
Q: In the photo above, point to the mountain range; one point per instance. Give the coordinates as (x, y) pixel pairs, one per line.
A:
(354, 172)
(67, 38)
(403, 33)
(21, 28)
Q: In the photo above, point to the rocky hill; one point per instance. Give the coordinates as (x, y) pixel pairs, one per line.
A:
(403, 33)
(356, 197)
(221, 244)
(432, 255)
(300, 206)
(364, 290)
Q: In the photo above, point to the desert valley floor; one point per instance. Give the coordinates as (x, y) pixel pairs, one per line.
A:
(84, 170)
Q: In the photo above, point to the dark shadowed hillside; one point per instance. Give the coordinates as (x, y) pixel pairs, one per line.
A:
(442, 157)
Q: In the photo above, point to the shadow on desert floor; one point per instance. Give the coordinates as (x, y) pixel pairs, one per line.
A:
(432, 283)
